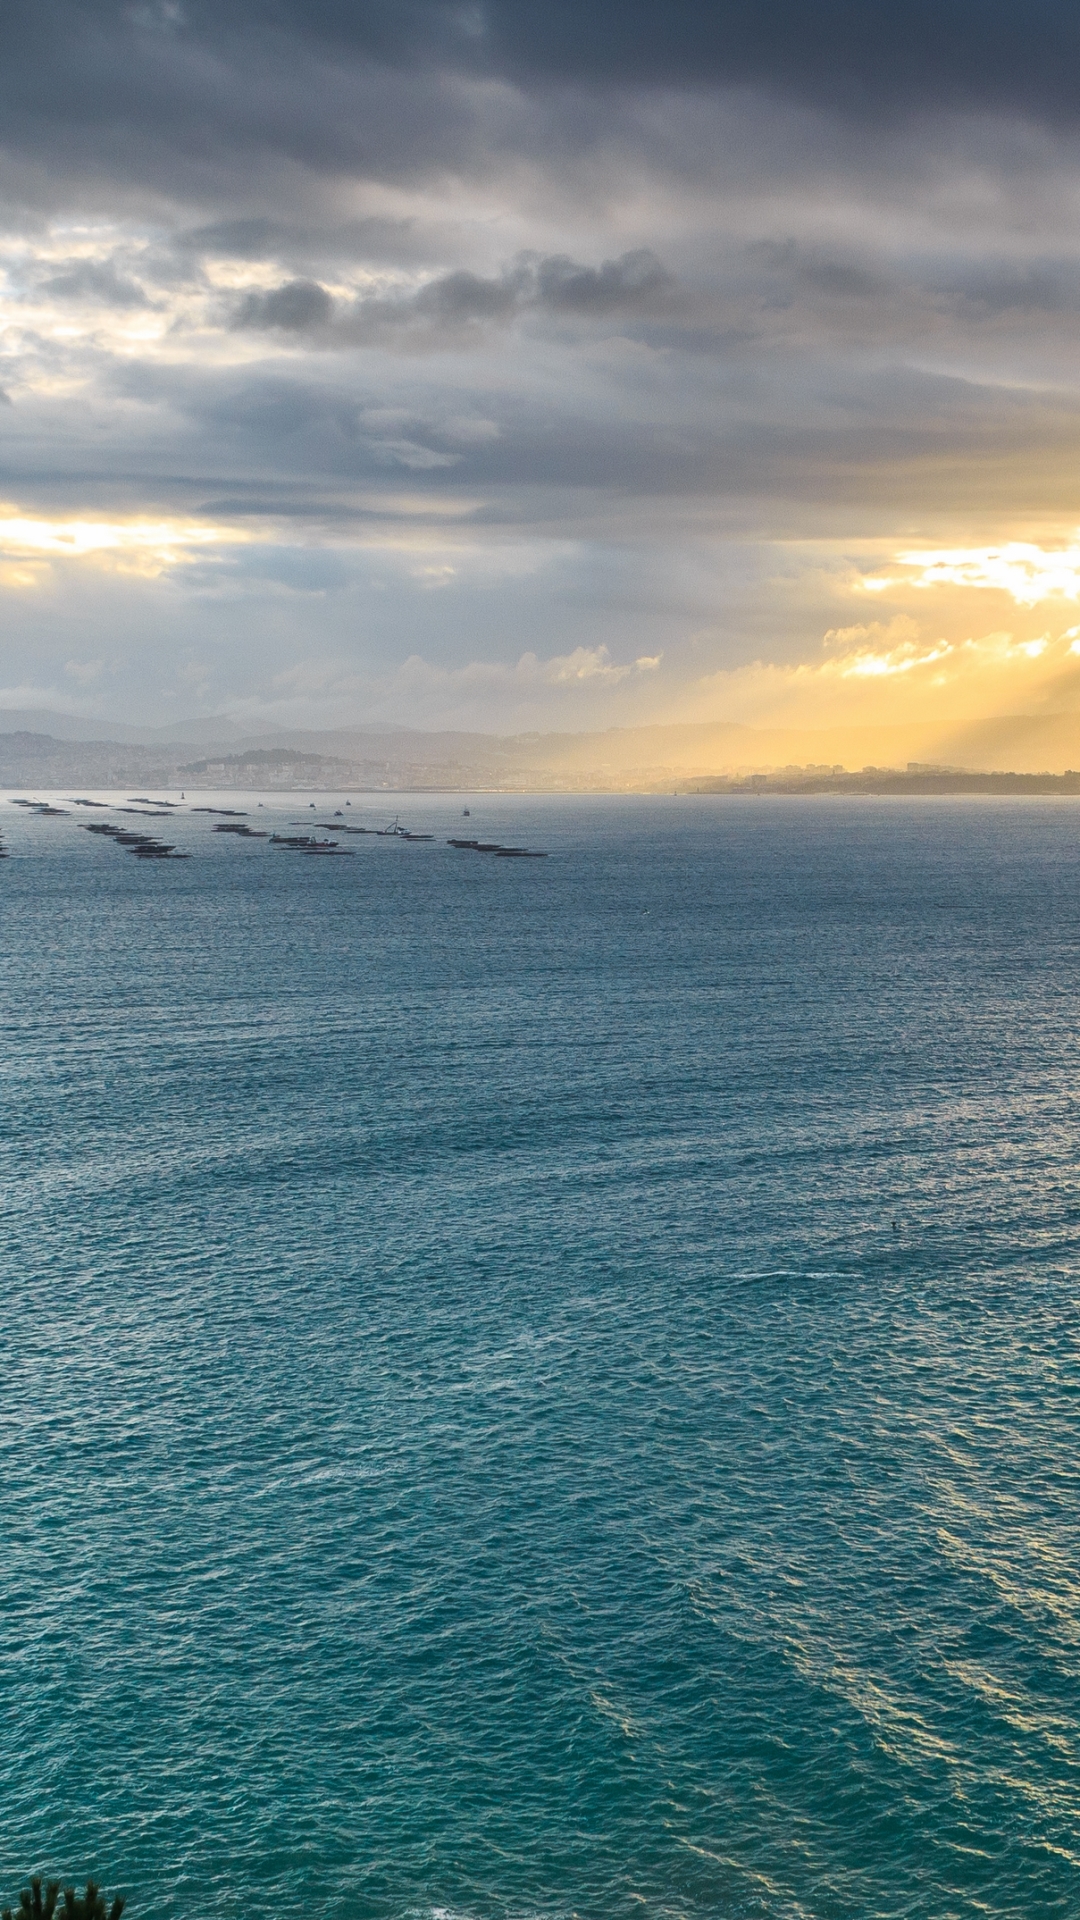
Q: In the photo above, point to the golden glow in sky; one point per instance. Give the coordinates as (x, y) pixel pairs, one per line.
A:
(145, 547)
(1029, 574)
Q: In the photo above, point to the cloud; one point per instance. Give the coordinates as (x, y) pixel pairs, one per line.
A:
(96, 282)
(851, 58)
(468, 694)
(565, 687)
(1027, 573)
(453, 300)
(158, 16)
(725, 318)
(876, 675)
(462, 302)
(582, 666)
(84, 672)
(634, 283)
(298, 306)
(254, 116)
(137, 545)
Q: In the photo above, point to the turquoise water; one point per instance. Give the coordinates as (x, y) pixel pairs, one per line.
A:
(546, 1388)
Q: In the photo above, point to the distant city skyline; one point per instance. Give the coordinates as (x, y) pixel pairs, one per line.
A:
(501, 369)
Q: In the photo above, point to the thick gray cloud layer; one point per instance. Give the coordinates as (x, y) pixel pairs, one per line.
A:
(842, 54)
(477, 328)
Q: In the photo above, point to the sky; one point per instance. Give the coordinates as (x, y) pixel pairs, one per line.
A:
(524, 367)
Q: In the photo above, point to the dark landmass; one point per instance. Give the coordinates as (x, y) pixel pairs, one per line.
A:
(270, 767)
(883, 780)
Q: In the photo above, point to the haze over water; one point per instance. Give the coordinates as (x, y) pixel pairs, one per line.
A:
(548, 1387)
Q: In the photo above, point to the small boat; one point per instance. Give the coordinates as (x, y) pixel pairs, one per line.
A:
(398, 832)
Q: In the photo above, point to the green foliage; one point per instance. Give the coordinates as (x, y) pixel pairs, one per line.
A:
(34, 1904)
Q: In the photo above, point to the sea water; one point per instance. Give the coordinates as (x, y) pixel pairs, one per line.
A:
(536, 1388)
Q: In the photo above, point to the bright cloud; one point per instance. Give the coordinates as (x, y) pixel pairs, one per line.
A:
(567, 670)
(876, 675)
(147, 547)
(1028, 574)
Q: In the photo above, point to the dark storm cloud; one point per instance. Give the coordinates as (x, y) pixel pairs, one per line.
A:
(462, 301)
(904, 301)
(96, 282)
(373, 84)
(296, 307)
(989, 290)
(633, 283)
(251, 238)
(846, 54)
(830, 274)
(91, 99)
(257, 237)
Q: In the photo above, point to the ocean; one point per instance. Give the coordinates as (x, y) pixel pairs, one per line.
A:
(537, 1388)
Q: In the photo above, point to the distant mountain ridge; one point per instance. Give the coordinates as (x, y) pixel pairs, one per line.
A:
(46, 749)
(210, 731)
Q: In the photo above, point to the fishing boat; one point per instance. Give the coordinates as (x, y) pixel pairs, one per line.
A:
(398, 832)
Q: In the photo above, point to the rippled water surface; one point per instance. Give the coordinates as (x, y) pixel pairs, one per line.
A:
(547, 1387)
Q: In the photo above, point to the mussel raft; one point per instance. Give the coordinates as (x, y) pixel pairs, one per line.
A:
(304, 843)
(501, 853)
(140, 844)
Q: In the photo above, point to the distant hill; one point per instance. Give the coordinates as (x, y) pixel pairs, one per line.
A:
(51, 753)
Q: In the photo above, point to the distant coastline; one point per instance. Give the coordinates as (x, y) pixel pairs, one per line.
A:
(888, 780)
(706, 759)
